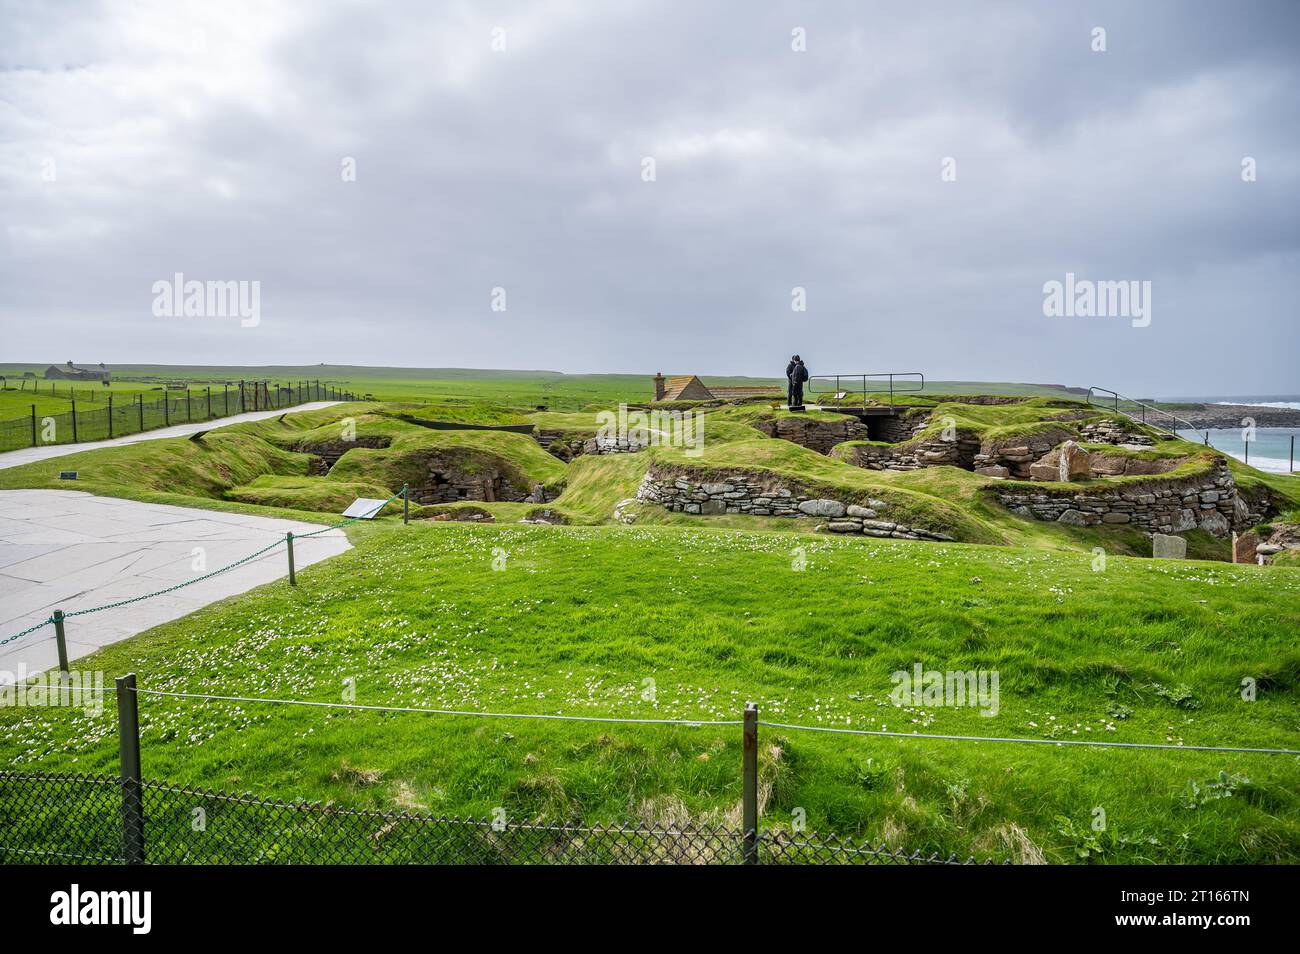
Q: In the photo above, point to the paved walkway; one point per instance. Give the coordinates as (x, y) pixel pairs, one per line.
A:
(69, 550)
(28, 455)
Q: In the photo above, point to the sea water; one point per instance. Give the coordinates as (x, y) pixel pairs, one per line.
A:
(1269, 448)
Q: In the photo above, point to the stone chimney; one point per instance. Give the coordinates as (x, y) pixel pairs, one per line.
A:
(659, 386)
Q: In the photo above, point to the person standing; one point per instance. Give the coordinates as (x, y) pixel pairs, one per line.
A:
(797, 380)
(789, 379)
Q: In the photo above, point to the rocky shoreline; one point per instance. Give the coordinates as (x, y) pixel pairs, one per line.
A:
(1217, 416)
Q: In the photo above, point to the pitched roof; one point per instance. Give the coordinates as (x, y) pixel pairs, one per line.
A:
(685, 387)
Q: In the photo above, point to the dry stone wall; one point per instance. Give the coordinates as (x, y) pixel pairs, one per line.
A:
(329, 452)
(900, 427)
(448, 479)
(759, 496)
(567, 448)
(1208, 501)
(1017, 454)
(815, 434)
(1112, 431)
(932, 452)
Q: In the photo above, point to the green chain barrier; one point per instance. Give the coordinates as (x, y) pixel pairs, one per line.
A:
(30, 629)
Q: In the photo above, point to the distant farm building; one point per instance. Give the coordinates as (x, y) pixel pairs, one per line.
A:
(70, 372)
(688, 387)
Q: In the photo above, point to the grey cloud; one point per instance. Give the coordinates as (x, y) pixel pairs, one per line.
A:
(208, 140)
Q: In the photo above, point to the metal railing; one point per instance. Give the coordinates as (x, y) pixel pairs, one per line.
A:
(1143, 413)
(898, 382)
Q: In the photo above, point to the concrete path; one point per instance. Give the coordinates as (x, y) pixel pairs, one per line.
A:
(68, 550)
(28, 455)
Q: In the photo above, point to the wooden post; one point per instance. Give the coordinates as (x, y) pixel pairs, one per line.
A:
(209, 390)
(406, 503)
(141, 397)
(33, 425)
(74, 420)
(128, 748)
(61, 642)
(749, 785)
(110, 416)
(288, 539)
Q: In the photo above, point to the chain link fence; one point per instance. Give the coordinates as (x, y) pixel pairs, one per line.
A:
(53, 818)
(121, 415)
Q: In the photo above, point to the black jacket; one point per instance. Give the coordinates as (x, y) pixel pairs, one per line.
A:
(789, 370)
(800, 373)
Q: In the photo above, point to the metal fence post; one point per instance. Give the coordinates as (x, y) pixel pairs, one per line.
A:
(749, 788)
(33, 425)
(74, 420)
(60, 640)
(288, 539)
(128, 747)
(110, 416)
(406, 503)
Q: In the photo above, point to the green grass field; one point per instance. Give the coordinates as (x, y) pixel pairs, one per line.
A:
(588, 620)
(523, 389)
(690, 617)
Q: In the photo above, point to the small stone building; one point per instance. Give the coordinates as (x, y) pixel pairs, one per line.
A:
(70, 372)
(688, 387)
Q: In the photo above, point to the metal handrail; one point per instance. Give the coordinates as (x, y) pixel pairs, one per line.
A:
(891, 375)
(1113, 403)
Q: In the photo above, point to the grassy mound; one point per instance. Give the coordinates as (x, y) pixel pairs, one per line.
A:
(205, 468)
(309, 493)
(478, 414)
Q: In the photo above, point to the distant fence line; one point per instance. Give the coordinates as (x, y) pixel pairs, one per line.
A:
(116, 418)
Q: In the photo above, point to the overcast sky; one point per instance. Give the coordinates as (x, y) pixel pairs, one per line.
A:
(142, 139)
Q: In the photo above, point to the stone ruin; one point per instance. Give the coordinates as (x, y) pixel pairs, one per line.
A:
(327, 453)
(1209, 501)
(768, 497)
